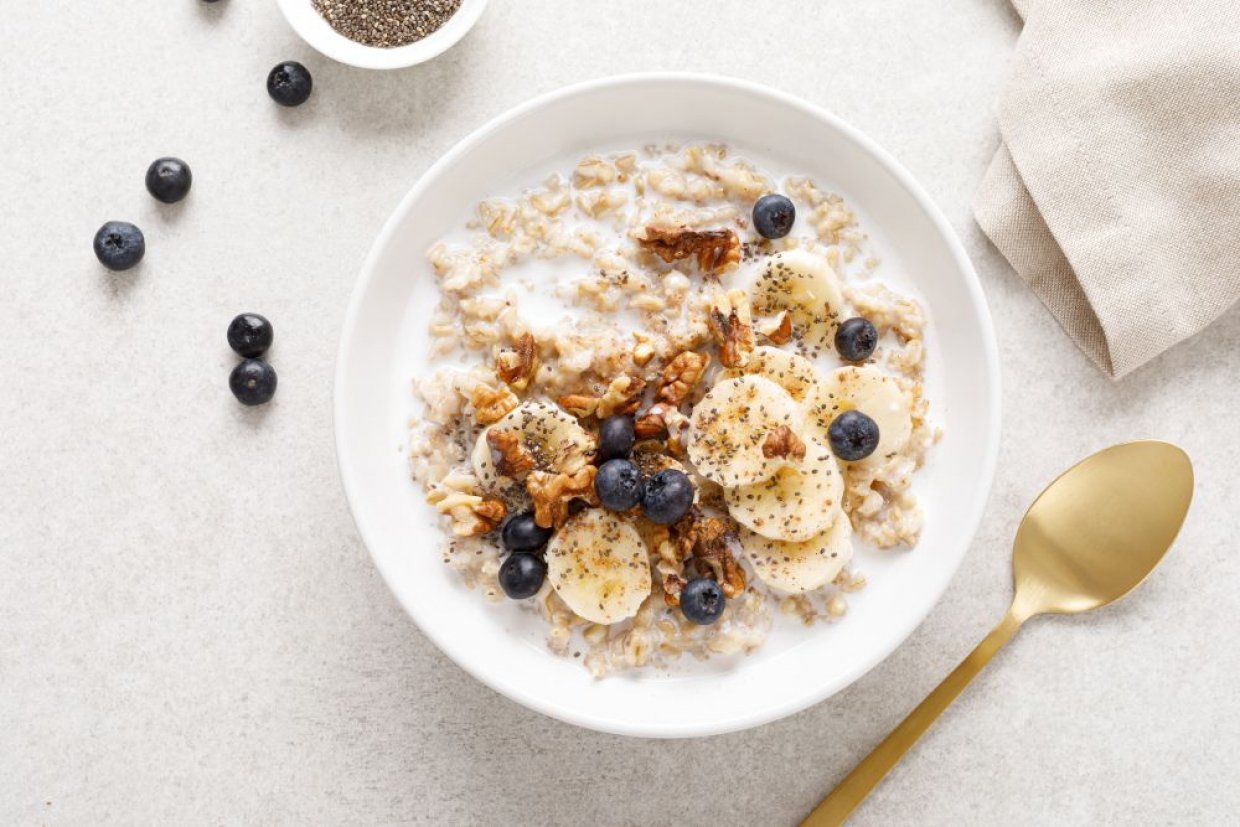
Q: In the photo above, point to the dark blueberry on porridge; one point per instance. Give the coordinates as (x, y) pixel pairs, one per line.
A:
(119, 245)
(618, 485)
(250, 335)
(853, 436)
(856, 339)
(615, 438)
(289, 83)
(522, 575)
(253, 382)
(667, 497)
(521, 533)
(774, 215)
(168, 179)
(702, 601)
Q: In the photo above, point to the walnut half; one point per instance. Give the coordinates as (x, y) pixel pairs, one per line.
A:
(714, 547)
(663, 421)
(623, 396)
(552, 493)
(516, 367)
(509, 454)
(731, 325)
(471, 515)
(782, 442)
(491, 404)
(680, 375)
(714, 249)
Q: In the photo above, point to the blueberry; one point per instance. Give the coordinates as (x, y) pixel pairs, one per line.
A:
(289, 83)
(773, 216)
(702, 601)
(521, 533)
(618, 485)
(522, 575)
(250, 335)
(119, 245)
(853, 436)
(667, 497)
(253, 382)
(615, 438)
(168, 179)
(856, 339)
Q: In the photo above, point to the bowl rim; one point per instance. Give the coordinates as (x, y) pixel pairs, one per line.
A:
(990, 358)
(330, 43)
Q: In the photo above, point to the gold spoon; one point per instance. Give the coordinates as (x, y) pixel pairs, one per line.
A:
(1090, 538)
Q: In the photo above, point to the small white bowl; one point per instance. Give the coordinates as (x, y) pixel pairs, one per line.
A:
(316, 31)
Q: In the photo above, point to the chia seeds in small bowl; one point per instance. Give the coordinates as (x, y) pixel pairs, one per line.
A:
(386, 23)
(382, 34)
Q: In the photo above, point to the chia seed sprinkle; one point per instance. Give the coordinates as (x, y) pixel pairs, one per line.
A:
(386, 23)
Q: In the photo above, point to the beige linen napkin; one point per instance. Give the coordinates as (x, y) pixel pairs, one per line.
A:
(1116, 192)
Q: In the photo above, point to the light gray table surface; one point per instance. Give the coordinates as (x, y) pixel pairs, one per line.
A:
(191, 631)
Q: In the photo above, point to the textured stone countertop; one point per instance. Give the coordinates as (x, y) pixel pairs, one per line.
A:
(190, 628)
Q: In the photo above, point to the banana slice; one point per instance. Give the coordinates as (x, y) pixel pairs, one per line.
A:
(872, 392)
(728, 427)
(794, 568)
(792, 372)
(805, 285)
(598, 564)
(552, 435)
(797, 503)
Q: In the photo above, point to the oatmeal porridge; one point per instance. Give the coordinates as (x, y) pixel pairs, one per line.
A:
(670, 394)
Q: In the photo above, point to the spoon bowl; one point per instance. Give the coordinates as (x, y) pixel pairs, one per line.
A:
(1098, 530)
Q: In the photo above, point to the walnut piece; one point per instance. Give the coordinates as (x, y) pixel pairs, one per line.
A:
(783, 443)
(623, 396)
(491, 404)
(713, 546)
(552, 493)
(663, 421)
(579, 405)
(715, 249)
(516, 367)
(489, 513)
(471, 515)
(731, 325)
(680, 375)
(512, 459)
(778, 331)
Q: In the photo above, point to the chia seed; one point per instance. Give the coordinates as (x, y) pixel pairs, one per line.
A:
(386, 23)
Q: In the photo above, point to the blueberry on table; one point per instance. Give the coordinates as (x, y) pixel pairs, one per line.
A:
(289, 83)
(702, 601)
(615, 438)
(853, 436)
(618, 485)
(773, 215)
(855, 339)
(250, 335)
(119, 245)
(522, 575)
(521, 533)
(667, 496)
(253, 382)
(168, 179)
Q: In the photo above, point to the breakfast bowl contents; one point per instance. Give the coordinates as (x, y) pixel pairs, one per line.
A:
(679, 397)
(796, 630)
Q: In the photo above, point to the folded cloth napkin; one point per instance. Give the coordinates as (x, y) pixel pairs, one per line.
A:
(1116, 191)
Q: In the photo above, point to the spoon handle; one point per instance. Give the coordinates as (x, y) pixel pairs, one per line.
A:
(865, 777)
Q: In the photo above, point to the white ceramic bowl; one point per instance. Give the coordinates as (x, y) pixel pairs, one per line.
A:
(316, 31)
(385, 331)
